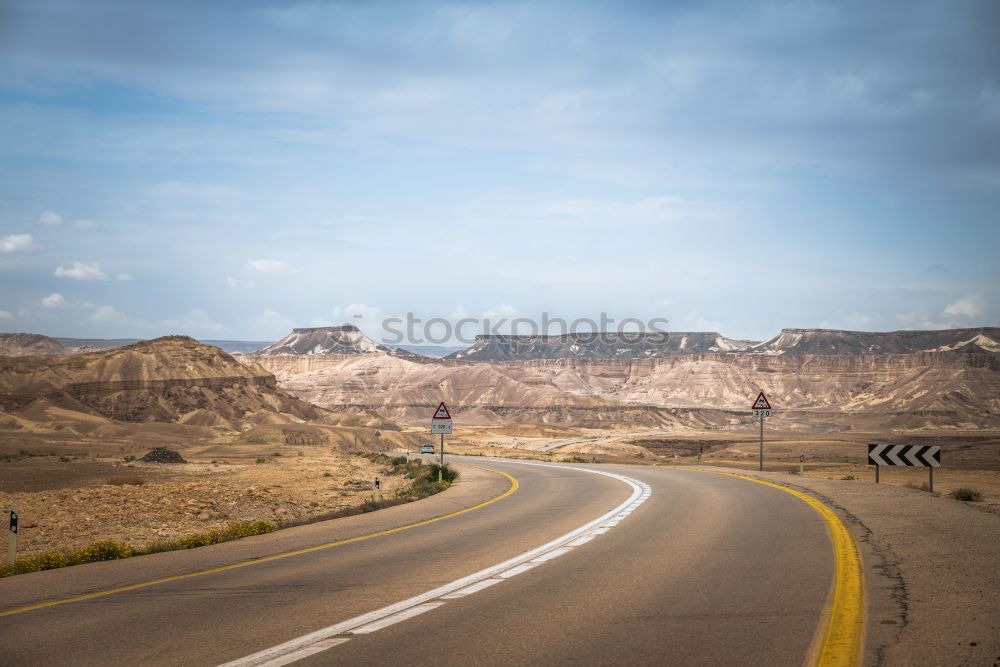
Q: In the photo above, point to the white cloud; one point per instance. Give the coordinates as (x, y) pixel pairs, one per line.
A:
(4, 315)
(123, 277)
(81, 271)
(54, 300)
(271, 322)
(916, 321)
(322, 322)
(967, 306)
(852, 322)
(268, 266)
(501, 311)
(232, 282)
(50, 219)
(358, 312)
(196, 320)
(108, 315)
(16, 243)
(695, 322)
(84, 224)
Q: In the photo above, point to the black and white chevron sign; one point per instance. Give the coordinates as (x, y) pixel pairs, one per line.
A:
(904, 455)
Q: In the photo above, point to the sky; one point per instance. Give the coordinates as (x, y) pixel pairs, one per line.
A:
(234, 169)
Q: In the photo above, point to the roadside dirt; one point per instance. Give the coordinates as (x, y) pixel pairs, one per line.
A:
(68, 504)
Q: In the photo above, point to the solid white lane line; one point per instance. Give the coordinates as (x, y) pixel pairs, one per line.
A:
(396, 618)
(514, 571)
(555, 553)
(307, 651)
(580, 541)
(474, 588)
(306, 645)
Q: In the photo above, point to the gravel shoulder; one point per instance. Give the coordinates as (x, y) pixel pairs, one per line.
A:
(932, 567)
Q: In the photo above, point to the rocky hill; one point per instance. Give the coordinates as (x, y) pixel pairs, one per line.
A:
(26, 344)
(834, 342)
(612, 345)
(170, 379)
(816, 379)
(602, 345)
(342, 340)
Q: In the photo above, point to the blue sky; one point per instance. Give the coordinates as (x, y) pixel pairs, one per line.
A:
(233, 169)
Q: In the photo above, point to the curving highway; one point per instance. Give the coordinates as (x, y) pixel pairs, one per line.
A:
(519, 563)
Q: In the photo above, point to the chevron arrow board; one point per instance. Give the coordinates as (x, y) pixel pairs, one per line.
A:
(924, 456)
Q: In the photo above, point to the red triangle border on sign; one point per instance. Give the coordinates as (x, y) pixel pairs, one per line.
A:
(439, 408)
(756, 404)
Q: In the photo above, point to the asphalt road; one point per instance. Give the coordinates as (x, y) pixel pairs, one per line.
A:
(708, 570)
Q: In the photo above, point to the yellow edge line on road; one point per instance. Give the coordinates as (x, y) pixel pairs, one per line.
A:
(845, 615)
(146, 584)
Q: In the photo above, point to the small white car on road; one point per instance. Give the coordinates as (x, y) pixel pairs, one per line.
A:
(426, 449)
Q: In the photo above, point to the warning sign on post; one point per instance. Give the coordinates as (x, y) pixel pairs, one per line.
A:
(441, 421)
(761, 407)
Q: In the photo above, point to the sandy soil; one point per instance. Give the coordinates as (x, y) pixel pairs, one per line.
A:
(70, 502)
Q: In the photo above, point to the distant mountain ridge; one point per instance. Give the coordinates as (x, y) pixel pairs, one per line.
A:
(822, 342)
(604, 345)
(837, 342)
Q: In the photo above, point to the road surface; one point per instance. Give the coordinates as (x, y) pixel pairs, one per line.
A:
(703, 569)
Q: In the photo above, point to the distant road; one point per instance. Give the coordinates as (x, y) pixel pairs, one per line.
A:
(698, 569)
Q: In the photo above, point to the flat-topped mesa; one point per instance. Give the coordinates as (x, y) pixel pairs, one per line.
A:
(597, 345)
(837, 342)
(333, 340)
(342, 327)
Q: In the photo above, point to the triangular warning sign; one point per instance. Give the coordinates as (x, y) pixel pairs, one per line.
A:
(442, 412)
(760, 404)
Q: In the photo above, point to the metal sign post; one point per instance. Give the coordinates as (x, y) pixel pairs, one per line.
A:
(761, 408)
(441, 423)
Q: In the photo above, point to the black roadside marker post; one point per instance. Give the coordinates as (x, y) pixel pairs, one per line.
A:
(921, 456)
(12, 537)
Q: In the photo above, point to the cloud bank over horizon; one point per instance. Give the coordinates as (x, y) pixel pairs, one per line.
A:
(739, 167)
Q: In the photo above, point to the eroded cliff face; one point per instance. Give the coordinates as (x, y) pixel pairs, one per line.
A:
(166, 379)
(730, 381)
(923, 390)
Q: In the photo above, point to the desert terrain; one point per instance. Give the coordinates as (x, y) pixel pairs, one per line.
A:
(665, 400)
(279, 435)
(74, 429)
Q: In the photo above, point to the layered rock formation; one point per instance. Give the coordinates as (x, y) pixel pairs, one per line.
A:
(26, 344)
(815, 379)
(597, 345)
(168, 379)
(830, 341)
